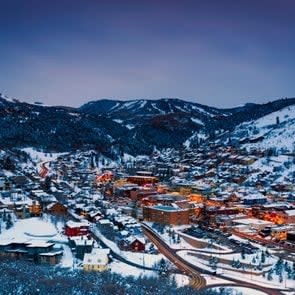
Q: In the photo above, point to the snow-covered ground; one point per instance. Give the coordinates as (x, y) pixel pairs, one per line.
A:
(243, 291)
(226, 271)
(281, 163)
(278, 129)
(39, 156)
(128, 270)
(32, 228)
(37, 229)
(144, 259)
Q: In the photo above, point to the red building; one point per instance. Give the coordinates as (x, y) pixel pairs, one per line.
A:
(142, 180)
(132, 243)
(166, 215)
(76, 228)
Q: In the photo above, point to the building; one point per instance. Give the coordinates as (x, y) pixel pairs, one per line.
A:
(97, 260)
(132, 243)
(39, 251)
(254, 223)
(35, 209)
(76, 228)
(57, 209)
(51, 258)
(166, 215)
(82, 245)
(281, 232)
(255, 200)
(288, 216)
(142, 180)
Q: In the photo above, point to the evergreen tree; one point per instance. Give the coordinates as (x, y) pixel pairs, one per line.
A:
(262, 257)
(269, 275)
(9, 222)
(243, 256)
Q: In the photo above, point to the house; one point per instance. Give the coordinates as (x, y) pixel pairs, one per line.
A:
(22, 212)
(14, 248)
(288, 216)
(35, 209)
(38, 246)
(57, 209)
(132, 243)
(39, 251)
(76, 228)
(82, 245)
(97, 260)
(51, 258)
(254, 200)
(142, 180)
(281, 232)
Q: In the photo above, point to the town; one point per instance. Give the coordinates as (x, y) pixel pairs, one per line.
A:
(209, 216)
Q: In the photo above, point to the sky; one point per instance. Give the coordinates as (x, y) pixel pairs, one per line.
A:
(219, 53)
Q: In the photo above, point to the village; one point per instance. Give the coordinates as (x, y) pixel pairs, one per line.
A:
(205, 216)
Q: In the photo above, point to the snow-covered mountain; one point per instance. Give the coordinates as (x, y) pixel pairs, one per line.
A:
(135, 126)
(275, 130)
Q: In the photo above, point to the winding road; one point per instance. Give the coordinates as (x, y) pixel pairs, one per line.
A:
(197, 281)
(44, 169)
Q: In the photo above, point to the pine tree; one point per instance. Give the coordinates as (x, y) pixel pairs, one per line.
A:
(243, 254)
(262, 257)
(9, 222)
(269, 275)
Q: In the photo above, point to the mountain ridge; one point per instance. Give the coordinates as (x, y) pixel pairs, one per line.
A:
(133, 126)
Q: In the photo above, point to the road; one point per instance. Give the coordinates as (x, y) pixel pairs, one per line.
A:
(197, 281)
(44, 169)
(116, 255)
(195, 272)
(263, 241)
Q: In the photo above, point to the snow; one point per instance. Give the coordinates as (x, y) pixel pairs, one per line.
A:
(212, 280)
(118, 121)
(116, 105)
(31, 227)
(196, 136)
(128, 270)
(202, 111)
(67, 259)
(243, 291)
(128, 105)
(142, 103)
(39, 231)
(226, 271)
(156, 108)
(127, 157)
(130, 126)
(284, 115)
(279, 136)
(143, 259)
(197, 121)
(180, 108)
(41, 156)
(181, 280)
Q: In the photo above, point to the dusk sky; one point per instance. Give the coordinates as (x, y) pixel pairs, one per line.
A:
(219, 53)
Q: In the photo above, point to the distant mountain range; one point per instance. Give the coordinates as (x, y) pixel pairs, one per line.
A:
(134, 126)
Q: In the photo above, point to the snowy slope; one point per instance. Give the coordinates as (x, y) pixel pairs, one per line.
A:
(277, 130)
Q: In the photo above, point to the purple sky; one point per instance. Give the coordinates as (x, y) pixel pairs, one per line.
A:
(220, 53)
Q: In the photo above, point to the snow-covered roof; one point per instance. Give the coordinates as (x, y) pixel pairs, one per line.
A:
(74, 224)
(40, 244)
(290, 212)
(96, 257)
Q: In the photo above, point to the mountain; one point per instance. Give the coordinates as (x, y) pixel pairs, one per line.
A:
(53, 128)
(275, 130)
(134, 127)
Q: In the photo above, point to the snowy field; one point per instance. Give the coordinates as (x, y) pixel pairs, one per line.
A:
(35, 229)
